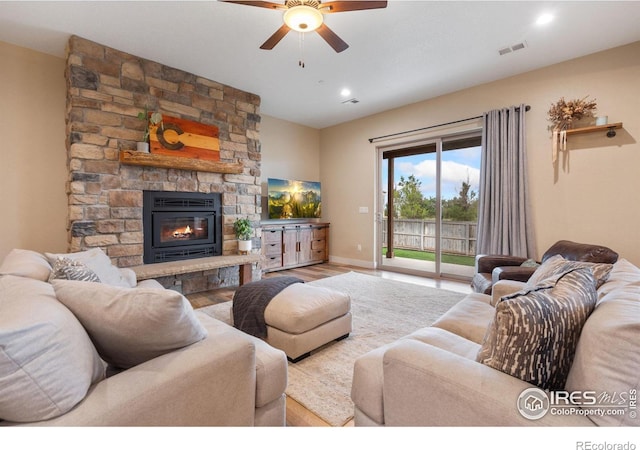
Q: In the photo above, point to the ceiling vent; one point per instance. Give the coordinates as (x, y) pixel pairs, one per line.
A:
(513, 48)
(351, 100)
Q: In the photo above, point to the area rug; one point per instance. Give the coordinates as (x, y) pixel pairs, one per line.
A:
(383, 311)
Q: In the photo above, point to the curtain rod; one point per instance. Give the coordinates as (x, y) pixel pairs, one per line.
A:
(527, 108)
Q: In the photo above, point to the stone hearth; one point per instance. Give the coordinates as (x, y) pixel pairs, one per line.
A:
(106, 89)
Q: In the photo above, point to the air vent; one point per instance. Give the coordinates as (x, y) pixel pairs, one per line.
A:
(513, 48)
(351, 100)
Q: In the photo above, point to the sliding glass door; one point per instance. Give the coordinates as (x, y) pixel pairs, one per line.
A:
(428, 201)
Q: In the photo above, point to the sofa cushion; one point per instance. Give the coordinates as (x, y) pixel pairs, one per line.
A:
(69, 269)
(503, 288)
(607, 359)
(469, 317)
(130, 326)
(535, 332)
(47, 361)
(447, 341)
(98, 261)
(622, 274)
(557, 265)
(26, 263)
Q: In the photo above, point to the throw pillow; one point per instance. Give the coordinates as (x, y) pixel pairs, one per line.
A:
(68, 269)
(26, 263)
(47, 361)
(98, 261)
(557, 265)
(129, 326)
(534, 332)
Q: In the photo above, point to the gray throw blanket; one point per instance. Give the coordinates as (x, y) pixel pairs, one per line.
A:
(251, 300)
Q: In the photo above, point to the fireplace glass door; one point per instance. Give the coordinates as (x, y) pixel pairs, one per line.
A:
(181, 225)
(175, 229)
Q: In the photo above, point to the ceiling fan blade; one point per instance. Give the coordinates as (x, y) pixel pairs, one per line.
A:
(275, 38)
(332, 39)
(342, 6)
(269, 5)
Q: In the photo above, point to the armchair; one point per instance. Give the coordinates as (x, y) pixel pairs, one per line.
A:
(489, 269)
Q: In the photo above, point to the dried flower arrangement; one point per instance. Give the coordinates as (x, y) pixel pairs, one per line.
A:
(563, 113)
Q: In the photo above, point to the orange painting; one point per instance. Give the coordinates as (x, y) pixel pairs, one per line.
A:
(185, 138)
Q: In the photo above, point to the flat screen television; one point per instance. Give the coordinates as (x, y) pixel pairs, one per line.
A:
(293, 199)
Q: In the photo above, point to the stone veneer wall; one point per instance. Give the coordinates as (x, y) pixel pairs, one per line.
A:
(106, 89)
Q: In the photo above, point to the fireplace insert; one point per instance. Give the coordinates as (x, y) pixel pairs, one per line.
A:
(181, 225)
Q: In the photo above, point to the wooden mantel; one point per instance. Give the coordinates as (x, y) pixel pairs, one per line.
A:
(136, 158)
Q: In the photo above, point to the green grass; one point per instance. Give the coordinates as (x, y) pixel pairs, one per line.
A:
(429, 256)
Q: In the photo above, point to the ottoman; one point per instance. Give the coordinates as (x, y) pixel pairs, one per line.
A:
(302, 318)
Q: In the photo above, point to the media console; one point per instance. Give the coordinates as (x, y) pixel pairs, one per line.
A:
(286, 246)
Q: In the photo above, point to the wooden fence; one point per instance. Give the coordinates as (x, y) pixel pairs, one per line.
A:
(457, 238)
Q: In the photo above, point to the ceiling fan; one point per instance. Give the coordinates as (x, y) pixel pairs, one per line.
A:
(307, 15)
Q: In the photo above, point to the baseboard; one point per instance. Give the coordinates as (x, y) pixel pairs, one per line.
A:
(352, 262)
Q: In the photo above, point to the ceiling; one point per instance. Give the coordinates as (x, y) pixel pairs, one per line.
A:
(408, 52)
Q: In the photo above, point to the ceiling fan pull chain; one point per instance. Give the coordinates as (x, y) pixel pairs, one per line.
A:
(301, 45)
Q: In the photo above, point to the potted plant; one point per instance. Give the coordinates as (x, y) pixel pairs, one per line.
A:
(154, 119)
(243, 230)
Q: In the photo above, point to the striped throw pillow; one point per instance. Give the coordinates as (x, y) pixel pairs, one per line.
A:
(534, 333)
(69, 269)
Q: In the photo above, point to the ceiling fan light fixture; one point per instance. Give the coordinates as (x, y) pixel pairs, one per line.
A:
(303, 18)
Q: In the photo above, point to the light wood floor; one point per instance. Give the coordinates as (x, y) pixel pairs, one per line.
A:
(298, 415)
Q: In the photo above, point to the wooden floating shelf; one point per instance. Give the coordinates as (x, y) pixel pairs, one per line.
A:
(136, 158)
(608, 128)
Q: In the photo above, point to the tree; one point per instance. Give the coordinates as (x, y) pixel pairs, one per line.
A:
(462, 208)
(410, 203)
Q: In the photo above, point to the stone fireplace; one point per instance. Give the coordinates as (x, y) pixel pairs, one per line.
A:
(106, 89)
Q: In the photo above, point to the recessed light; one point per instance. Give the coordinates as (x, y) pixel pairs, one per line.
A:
(544, 19)
(345, 92)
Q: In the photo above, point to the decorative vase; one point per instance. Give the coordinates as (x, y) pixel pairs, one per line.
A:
(143, 147)
(244, 247)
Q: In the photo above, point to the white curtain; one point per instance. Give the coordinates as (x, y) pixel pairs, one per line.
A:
(504, 219)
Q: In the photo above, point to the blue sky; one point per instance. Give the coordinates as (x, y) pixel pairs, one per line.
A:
(457, 166)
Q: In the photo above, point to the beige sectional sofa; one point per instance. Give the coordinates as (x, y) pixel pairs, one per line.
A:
(169, 364)
(436, 376)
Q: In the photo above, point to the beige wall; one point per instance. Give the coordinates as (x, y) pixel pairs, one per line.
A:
(592, 197)
(289, 151)
(32, 151)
